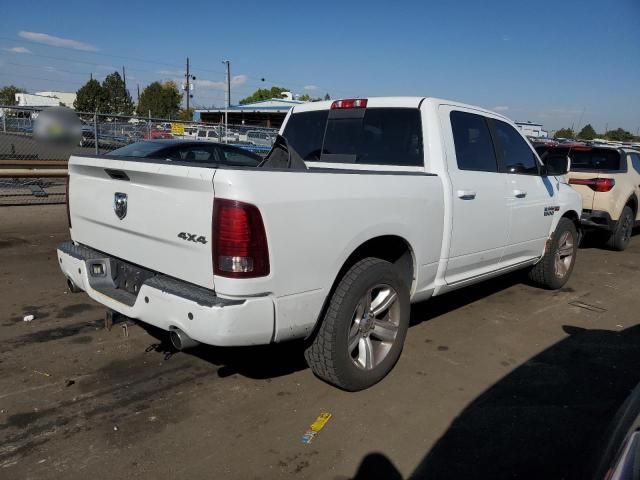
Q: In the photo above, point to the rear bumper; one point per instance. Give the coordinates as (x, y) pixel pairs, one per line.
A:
(168, 303)
(597, 219)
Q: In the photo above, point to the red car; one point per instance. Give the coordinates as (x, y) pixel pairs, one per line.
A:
(157, 134)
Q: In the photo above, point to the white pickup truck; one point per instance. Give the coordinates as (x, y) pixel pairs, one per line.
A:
(379, 202)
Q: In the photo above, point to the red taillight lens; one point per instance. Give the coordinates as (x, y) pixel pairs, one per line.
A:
(67, 198)
(240, 245)
(595, 184)
(349, 103)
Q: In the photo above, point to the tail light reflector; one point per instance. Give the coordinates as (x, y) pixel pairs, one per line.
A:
(595, 184)
(67, 198)
(240, 242)
(349, 103)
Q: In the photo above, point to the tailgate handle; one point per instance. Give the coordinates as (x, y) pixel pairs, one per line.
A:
(117, 174)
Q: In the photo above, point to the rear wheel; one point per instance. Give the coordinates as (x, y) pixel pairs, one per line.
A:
(621, 235)
(555, 267)
(361, 336)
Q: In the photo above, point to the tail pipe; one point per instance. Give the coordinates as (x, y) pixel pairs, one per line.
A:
(73, 288)
(181, 341)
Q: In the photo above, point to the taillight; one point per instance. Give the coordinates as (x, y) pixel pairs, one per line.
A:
(67, 197)
(349, 103)
(595, 184)
(240, 245)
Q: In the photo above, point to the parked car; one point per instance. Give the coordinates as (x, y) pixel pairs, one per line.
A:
(157, 134)
(258, 137)
(608, 178)
(216, 134)
(363, 207)
(189, 151)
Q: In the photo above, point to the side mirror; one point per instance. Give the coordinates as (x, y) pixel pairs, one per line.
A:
(556, 165)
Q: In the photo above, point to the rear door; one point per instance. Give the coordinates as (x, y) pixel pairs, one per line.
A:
(166, 226)
(480, 223)
(531, 197)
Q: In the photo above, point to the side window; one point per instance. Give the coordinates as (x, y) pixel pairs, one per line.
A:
(515, 151)
(192, 154)
(472, 139)
(238, 158)
(635, 161)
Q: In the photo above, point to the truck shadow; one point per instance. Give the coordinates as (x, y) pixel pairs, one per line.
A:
(275, 360)
(545, 420)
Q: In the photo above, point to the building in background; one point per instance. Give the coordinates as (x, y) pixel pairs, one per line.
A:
(265, 113)
(66, 98)
(31, 100)
(45, 99)
(531, 129)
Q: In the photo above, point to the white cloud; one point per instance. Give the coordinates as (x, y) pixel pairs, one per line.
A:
(171, 73)
(50, 69)
(500, 108)
(57, 41)
(506, 38)
(17, 50)
(236, 81)
(311, 87)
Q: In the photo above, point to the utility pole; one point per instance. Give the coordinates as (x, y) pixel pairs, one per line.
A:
(187, 76)
(228, 102)
(187, 85)
(138, 94)
(124, 79)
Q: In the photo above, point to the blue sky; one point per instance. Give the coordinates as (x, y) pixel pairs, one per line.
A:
(545, 61)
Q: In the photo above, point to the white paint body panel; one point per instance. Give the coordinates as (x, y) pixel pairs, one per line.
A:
(315, 220)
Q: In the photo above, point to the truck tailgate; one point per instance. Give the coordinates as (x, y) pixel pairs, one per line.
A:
(167, 225)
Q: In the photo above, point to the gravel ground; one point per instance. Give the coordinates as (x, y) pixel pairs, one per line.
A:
(500, 380)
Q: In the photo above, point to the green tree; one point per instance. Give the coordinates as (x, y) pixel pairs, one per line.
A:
(8, 95)
(618, 135)
(90, 98)
(327, 96)
(186, 114)
(117, 98)
(564, 133)
(264, 94)
(161, 99)
(587, 133)
(305, 98)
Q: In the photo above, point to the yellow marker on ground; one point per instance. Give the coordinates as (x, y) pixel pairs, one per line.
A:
(315, 427)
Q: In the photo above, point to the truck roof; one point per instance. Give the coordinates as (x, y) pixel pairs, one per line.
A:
(401, 102)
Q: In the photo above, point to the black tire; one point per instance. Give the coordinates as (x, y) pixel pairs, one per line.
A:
(621, 235)
(328, 354)
(544, 272)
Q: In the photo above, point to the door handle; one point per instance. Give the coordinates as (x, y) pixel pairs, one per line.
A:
(466, 194)
(519, 193)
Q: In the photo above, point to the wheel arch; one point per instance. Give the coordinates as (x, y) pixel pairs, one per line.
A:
(633, 203)
(392, 248)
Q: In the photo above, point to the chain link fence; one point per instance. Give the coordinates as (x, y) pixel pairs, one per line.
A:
(32, 172)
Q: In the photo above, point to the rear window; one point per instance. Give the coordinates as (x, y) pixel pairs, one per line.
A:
(377, 136)
(138, 149)
(591, 159)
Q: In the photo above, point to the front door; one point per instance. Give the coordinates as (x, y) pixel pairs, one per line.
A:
(532, 197)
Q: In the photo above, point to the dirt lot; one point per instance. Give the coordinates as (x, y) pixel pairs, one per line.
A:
(501, 380)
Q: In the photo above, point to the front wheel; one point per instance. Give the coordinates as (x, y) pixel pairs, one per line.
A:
(361, 336)
(555, 267)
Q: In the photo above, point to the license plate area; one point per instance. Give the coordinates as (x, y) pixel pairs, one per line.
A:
(117, 279)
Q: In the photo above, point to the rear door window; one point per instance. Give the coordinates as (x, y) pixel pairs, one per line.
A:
(305, 132)
(375, 136)
(515, 151)
(472, 140)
